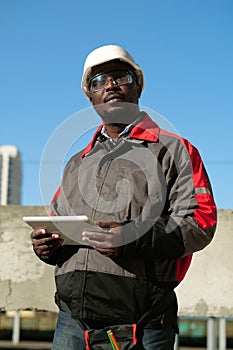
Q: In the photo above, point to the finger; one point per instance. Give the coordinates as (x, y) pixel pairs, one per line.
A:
(103, 224)
(95, 244)
(43, 240)
(108, 224)
(38, 232)
(96, 236)
(114, 224)
(46, 243)
(45, 248)
(45, 252)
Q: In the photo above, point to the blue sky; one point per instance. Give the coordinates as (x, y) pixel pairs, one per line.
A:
(185, 48)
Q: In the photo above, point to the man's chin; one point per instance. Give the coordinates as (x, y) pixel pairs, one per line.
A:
(115, 112)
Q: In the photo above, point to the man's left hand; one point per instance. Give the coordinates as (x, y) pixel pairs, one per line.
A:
(109, 242)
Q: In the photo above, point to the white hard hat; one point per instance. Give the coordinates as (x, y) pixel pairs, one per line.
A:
(105, 54)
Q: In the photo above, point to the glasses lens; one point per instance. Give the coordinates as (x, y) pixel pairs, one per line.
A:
(121, 78)
(98, 82)
(118, 77)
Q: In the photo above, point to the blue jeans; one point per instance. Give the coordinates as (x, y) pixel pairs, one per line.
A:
(69, 336)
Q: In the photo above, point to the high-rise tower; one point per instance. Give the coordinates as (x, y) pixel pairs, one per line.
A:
(10, 175)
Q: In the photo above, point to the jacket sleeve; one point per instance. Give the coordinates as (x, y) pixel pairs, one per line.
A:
(189, 221)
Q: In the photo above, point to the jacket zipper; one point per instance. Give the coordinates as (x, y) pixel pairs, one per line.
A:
(104, 177)
(101, 187)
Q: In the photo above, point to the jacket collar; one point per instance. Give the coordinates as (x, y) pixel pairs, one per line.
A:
(146, 130)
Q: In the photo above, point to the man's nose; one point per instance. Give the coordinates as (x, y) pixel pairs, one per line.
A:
(111, 83)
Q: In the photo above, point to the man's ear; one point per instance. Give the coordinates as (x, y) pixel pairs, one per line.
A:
(87, 93)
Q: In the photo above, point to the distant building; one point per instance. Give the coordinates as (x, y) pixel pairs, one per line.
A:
(10, 175)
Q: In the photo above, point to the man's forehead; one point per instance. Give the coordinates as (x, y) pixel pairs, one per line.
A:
(110, 66)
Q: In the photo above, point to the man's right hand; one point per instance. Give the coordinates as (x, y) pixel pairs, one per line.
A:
(45, 243)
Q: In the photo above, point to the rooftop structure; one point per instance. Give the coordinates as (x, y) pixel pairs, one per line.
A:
(10, 175)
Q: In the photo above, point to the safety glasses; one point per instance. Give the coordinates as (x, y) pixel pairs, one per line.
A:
(118, 77)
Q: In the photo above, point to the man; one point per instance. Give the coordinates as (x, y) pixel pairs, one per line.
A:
(149, 192)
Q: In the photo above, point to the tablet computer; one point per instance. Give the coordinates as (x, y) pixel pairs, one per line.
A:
(70, 228)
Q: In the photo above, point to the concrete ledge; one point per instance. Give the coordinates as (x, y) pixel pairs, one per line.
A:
(28, 283)
(29, 345)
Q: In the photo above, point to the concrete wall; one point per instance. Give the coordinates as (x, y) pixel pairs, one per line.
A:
(207, 289)
(26, 282)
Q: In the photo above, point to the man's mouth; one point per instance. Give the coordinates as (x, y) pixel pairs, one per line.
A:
(114, 98)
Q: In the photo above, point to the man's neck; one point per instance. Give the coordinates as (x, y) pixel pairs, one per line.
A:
(114, 130)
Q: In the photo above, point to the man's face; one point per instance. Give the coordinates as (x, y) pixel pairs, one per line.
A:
(115, 103)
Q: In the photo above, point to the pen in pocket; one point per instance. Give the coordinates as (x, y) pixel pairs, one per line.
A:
(113, 341)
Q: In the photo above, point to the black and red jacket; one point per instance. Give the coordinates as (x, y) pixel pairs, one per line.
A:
(154, 183)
